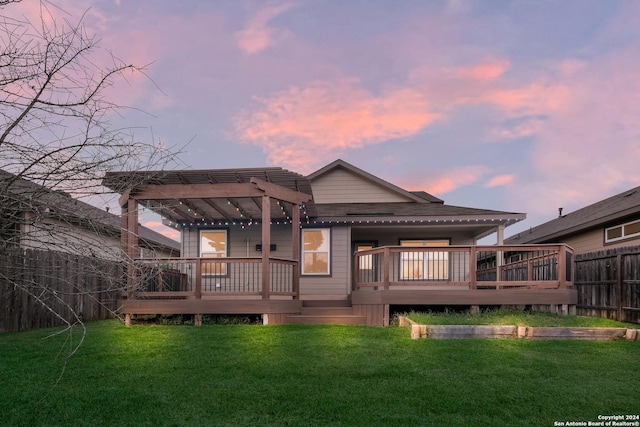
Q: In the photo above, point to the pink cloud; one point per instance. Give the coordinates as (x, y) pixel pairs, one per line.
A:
(500, 180)
(256, 36)
(485, 84)
(303, 127)
(485, 71)
(445, 181)
(589, 149)
(162, 229)
(535, 98)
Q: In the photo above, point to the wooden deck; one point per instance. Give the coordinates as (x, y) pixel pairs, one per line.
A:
(525, 275)
(382, 277)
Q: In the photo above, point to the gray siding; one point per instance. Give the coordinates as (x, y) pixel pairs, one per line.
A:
(52, 234)
(338, 284)
(241, 242)
(341, 186)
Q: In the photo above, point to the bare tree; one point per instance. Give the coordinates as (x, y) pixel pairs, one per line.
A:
(56, 133)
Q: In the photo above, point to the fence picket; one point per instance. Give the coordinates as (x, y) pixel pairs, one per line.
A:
(608, 283)
(64, 282)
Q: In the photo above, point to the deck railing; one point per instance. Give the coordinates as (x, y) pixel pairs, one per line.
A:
(470, 267)
(202, 277)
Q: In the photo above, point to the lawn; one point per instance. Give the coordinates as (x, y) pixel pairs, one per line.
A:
(300, 375)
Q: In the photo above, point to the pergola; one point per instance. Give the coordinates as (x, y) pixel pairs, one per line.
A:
(210, 196)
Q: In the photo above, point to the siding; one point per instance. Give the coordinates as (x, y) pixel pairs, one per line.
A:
(341, 186)
(338, 284)
(593, 241)
(55, 235)
(241, 242)
(387, 237)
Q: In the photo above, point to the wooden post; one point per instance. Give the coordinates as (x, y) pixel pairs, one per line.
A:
(266, 244)
(129, 246)
(198, 289)
(385, 263)
(356, 271)
(499, 260)
(295, 244)
(132, 242)
(473, 266)
(124, 231)
(562, 267)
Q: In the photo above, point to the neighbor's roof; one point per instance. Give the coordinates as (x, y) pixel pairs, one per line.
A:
(61, 205)
(598, 214)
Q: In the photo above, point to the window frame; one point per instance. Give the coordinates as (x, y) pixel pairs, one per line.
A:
(303, 252)
(623, 235)
(223, 254)
(366, 263)
(426, 261)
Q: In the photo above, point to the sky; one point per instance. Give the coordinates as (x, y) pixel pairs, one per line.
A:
(520, 106)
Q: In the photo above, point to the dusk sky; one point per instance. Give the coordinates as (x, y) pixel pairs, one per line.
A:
(521, 106)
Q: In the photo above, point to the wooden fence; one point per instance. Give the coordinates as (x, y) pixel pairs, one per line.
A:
(46, 288)
(608, 284)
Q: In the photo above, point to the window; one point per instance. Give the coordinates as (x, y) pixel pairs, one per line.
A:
(422, 265)
(621, 232)
(316, 251)
(213, 244)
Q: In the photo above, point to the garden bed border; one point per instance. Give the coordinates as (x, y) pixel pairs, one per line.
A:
(511, 331)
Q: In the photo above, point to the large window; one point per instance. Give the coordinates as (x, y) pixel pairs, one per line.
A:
(423, 265)
(316, 251)
(621, 232)
(213, 244)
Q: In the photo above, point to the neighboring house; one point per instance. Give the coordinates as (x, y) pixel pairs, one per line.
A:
(36, 217)
(338, 239)
(607, 224)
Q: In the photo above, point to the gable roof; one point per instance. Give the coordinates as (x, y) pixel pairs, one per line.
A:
(61, 205)
(416, 196)
(420, 208)
(614, 208)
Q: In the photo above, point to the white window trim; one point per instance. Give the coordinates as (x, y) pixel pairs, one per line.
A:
(624, 236)
(328, 252)
(224, 253)
(430, 257)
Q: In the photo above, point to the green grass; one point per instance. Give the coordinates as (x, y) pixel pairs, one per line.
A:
(514, 317)
(300, 375)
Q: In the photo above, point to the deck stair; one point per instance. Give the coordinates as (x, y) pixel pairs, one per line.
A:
(327, 313)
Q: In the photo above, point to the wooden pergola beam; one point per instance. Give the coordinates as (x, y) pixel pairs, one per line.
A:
(218, 209)
(194, 191)
(281, 193)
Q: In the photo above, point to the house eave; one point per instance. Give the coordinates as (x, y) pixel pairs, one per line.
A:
(579, 228)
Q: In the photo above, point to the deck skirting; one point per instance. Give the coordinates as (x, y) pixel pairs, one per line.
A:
(466, 297)
(210, 306)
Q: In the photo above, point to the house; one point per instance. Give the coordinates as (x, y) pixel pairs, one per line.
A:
(608, 224)
(339, 245)
(37, 217)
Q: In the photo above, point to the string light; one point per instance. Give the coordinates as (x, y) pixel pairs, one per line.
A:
(251, 222)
